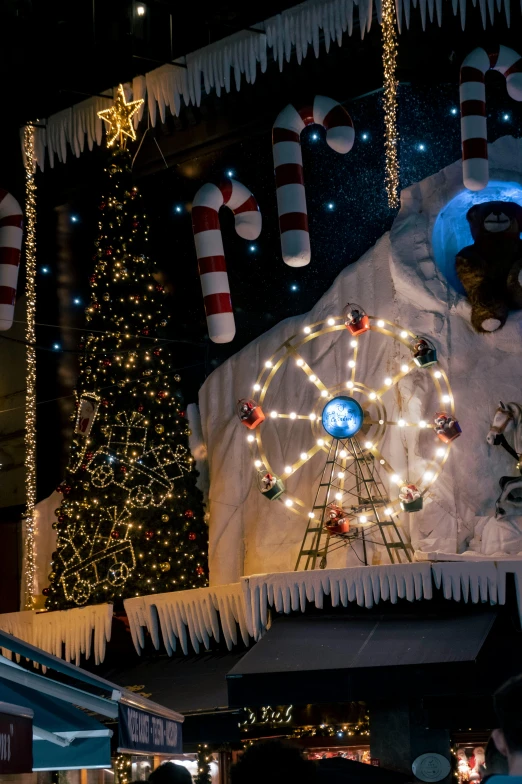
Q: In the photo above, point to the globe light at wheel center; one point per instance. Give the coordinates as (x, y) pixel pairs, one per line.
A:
(342, 417)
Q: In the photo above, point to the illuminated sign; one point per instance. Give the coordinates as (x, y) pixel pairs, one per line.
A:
(342, 417)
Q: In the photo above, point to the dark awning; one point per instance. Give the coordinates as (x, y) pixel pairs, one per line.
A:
(318, 658)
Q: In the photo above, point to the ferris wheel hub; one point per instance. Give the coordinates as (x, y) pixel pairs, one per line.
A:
(342, 417)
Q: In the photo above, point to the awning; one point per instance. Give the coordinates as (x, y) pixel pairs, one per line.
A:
(323, 659)
(65, 737)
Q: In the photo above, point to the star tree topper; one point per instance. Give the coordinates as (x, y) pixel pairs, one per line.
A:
(119, 119)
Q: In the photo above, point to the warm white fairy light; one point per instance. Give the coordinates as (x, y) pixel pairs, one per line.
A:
(381, 421)
(311, 515)
(388, 381)
(312, 417)
(331, 322)
(312, 378)
(339, 496)
(388, 511)
(440, 452)
(268, 364)
(368, 444)
(299, 362)
(428, 476)
(257, 387)
(382, 461)
(404, 334)
(401, 422)
(30, 377)
(307, 330)
(372, 395)
(320, 442)
(324, 393)
(340, 475)
(391, 136)
(273, 414)
(343, 453)
(422, 423)
(349, 384)
(351, 363)
(251, 438)
(363, 519)
(293, 415)
(258, 463)
(446, 398)
(396, 479)
(437, 374)
(288, 469)
(380, 323)
(289, 502)
(405, 368)
(304, 455)
(353, 343)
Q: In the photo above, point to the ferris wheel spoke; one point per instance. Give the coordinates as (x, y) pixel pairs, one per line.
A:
(303, 458)
(307, 370)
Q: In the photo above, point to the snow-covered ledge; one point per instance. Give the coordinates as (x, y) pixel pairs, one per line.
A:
(202, 613)
(75, 629)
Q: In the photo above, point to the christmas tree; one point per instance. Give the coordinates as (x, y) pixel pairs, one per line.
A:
(131, 521)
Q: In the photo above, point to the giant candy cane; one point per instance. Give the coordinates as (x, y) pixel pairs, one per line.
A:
(473, 107)
(11, 225)
(288, 164)
(210, 253)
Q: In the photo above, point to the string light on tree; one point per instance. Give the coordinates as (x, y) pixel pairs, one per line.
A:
(30, 377)
(391, 137)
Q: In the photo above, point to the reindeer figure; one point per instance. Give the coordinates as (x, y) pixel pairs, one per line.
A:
(508, 417)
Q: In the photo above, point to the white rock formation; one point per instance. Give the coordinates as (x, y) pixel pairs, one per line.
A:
(398, 279)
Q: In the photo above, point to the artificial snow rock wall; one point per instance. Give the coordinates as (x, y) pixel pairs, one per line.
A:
(401, 280)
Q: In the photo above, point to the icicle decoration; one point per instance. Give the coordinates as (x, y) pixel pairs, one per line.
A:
(195, 615)
(67, 634)
(391, 138)
(222, 66)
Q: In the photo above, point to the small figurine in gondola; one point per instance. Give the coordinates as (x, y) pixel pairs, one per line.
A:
(446, 427)
(424, 353)
(355, 319)
(270, 485)
(410, 498)
(249, 413)
(337, 521)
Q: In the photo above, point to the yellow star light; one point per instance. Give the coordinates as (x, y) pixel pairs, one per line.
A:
(119, 118)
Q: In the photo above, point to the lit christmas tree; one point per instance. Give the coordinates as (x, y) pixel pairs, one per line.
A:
(131, 520)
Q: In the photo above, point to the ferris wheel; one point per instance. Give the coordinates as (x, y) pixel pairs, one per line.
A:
(347, 427)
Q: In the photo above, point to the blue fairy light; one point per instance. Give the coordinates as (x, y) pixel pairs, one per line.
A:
(506, 117)
(294, 287)
(252, 248)
(77, 301)
(365, 136)
(178, 208)
(315, 136)
(330, 205)
(421, 147)
(454, 111)
(230, 173)
(56, 346)
(45, 270)
(74, 219)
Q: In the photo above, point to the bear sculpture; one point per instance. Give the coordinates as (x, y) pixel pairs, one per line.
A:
(491, 269)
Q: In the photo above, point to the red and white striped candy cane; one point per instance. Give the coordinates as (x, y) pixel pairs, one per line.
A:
(11, 226)
(288, 164)
(210, 253)
(473, 107)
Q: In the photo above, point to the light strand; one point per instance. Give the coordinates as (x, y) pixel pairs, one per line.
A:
(30, 396)
(389, 60)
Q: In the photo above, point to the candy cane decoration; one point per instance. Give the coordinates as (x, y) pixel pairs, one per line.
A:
(288, 164)
(210, 253)
(473, 108)
(11, 225)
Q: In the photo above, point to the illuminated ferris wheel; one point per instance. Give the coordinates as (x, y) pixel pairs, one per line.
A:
(348, 429)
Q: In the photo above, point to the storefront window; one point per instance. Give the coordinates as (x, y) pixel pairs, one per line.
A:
(141, 767)
(357, 753)
(470, 763)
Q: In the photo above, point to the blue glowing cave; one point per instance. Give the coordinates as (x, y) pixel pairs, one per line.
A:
(451, 231)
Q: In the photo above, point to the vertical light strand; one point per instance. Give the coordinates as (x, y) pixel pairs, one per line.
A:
(30, 395)
(389, 60)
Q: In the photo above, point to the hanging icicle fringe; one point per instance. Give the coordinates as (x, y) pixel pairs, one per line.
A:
(222, 66)
(391, 137)
(67, 634)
